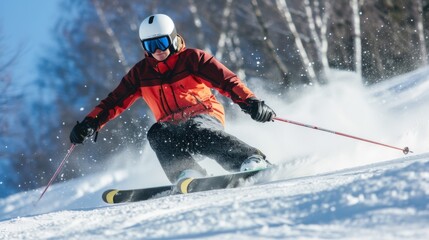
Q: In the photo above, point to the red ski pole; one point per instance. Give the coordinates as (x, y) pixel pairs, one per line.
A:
(405, 150)
(58, 170)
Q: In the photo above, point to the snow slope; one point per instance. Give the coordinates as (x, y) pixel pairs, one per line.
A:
(388, 200)
(329, 187)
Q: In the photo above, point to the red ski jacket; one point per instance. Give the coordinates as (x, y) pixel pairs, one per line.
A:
(174, 89)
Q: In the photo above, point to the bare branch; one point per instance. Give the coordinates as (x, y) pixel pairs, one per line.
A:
(111, 34)
(198, 25)
(267, 40)
(282, 5)
(222, 38)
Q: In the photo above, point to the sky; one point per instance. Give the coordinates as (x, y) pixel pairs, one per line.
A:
(26, 27)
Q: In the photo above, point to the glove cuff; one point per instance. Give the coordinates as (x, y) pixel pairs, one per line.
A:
(91, 123)
(248, 105)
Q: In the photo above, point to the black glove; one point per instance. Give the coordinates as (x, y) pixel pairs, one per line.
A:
(83, 130)
(258, 110)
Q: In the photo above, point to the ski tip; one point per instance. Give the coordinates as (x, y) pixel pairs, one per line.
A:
(108, 196)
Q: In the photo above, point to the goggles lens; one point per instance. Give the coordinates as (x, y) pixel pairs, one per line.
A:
(161, 43)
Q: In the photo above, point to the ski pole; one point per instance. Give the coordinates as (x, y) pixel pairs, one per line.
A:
(405, 150)
(58, 170)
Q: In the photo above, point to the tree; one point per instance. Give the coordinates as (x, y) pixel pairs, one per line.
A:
(317, 25)
(282, 68)
(5, 98)
(201, 42)
(307, 64)
(418, 13)
(357, 37)
(112, 36)
(10, 135)
(223, 32)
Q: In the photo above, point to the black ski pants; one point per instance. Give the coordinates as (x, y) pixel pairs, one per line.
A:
(175, 144)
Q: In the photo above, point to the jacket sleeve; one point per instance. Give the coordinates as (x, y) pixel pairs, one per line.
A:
(122, 97)
(219, 77)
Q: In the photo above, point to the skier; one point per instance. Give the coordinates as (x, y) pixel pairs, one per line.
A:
(176, 84)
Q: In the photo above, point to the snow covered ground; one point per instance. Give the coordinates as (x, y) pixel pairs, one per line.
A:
(329, 187)
(380, 201)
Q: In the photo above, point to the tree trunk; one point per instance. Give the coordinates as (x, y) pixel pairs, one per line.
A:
(282, 5)
(357, 37)
(236, 54)
(224, 22)
(283, 70)
(198, 25)
(418, 12)
(321, 43)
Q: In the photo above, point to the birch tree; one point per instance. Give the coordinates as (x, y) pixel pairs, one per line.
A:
(284, 9)
(322, 18)
(357, 37)
(201, 43)
(317, 24)
(223, 30)
(234, 44)
(268, 43)
(418, 13)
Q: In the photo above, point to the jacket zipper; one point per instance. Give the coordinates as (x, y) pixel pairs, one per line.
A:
(162, 99)
(175, 99)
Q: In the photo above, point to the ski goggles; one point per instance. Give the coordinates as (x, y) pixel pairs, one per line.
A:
(161, 43)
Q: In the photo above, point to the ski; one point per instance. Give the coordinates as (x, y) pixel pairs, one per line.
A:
(133, 195)
(187, 185)
(232, 180)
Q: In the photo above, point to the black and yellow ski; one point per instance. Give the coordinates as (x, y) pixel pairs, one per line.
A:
(187, 185)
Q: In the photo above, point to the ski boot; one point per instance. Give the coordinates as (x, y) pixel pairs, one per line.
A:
(254, 162)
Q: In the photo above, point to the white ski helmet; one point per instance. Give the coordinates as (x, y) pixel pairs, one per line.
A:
(156, 26)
